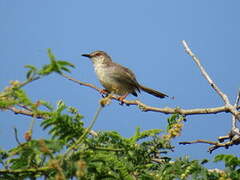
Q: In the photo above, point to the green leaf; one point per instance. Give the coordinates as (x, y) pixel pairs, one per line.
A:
(33, 68)
(31, 72)
(46, 69)
(65, 63)
(144, 134)
(65, 69)
(54, 65)
(51, 55)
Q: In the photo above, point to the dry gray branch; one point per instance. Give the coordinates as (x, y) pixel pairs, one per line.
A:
(224, 97)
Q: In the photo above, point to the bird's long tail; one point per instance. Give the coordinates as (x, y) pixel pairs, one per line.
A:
(153, 92)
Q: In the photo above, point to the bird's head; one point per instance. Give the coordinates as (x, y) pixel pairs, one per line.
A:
(98, 57)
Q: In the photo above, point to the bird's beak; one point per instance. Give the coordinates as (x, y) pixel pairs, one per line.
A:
(86, 55)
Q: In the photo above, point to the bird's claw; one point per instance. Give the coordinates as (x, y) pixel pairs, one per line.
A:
(104, 93)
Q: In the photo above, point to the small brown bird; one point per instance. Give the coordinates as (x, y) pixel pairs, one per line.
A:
(116, 78)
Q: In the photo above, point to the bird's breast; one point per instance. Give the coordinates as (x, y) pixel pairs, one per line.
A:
(101, 71)
(106, 78)
(103, 74)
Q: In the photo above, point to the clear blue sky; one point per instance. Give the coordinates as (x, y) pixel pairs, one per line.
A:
(142, 35)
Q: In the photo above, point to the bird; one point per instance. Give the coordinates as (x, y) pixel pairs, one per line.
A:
(117, 79)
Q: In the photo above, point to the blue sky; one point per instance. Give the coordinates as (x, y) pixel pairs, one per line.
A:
(142, 35)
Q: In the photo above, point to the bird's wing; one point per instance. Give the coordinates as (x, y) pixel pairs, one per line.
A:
(127, 76)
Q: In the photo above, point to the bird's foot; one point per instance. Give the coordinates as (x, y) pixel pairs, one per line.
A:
(104, 92)
(121, 98)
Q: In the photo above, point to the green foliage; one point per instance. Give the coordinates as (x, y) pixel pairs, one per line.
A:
(13, 95)
(30, 156)
(5, 104)
(33, 153)
(109, 155)
(174, 119)
(232, 163)
(183, 168)
(55, 66)
(63, 126)
(140, 135)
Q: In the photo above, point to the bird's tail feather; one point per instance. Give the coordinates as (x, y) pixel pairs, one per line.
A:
(153, 92)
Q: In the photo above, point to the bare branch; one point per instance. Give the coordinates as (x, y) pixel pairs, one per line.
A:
(224, 97)
(234, 135)
(178, 110)
(199, 141)
(215, 146)
(80, 82)
(204, 73)
(26, 112)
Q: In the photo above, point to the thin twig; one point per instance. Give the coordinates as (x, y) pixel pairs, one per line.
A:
(237, 99)
(199, 141)
(234, 119)
(28, 81)
(80, 82)
(24, 107)
(87, 130)
(26, 112)
(234, 122)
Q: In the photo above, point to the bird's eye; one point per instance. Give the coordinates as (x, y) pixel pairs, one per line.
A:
(98, 54)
